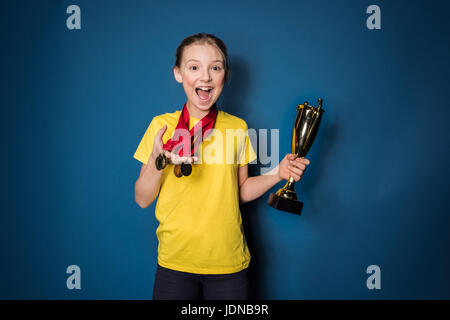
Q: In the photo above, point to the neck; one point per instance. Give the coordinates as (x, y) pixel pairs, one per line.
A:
(196, 112)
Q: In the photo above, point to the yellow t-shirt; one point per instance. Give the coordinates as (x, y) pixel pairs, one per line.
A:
(200, 227)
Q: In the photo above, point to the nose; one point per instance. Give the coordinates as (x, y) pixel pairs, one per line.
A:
(206, 76)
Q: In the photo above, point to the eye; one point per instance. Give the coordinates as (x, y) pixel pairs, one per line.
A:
(217, 68)
(195, 68)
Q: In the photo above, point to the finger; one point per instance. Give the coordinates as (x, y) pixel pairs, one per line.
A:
(192, 159)
(175, 158)
(298, 164)
(179, 160)
(175, 161)
(295, 176)
(295, 170)
(168, 156)
(161, 132)
(301, 162)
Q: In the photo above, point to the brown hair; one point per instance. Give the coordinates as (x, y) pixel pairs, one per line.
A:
(203, 38)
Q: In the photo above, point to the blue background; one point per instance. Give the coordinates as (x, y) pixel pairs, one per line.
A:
(75, 105)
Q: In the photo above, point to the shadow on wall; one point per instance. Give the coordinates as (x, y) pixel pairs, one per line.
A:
(324, 149)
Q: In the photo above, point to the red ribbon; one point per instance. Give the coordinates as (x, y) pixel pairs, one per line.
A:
(205, 124)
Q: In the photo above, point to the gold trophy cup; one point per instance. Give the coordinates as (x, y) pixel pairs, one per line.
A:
(306, 126)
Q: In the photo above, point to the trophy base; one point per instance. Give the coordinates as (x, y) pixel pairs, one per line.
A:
(284, 204)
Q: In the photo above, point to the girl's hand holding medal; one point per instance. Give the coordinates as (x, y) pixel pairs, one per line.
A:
(163, 157)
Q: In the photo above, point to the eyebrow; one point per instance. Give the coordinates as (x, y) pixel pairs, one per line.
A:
(199, 61)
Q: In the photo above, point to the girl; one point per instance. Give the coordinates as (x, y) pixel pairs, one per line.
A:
(202, 250)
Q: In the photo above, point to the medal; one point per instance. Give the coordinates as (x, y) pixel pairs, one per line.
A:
(160, 161)
(197, 134)
(186, 169)
(177, 171)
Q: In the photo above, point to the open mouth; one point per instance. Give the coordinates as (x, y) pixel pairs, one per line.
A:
(204, 93)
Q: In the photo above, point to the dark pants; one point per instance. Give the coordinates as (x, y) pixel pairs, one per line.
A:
(177, 285)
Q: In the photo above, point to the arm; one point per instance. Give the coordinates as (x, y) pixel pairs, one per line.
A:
(148, 184)
(251, 188)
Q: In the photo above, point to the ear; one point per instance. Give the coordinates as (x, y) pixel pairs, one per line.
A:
(177, 74)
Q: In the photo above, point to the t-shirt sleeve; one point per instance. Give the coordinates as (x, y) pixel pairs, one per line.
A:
(145, 147)
(247, 153)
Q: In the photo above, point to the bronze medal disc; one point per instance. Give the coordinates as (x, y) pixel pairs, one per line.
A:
(177, 171)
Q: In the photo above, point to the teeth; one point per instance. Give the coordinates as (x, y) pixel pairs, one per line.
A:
(204, 88)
